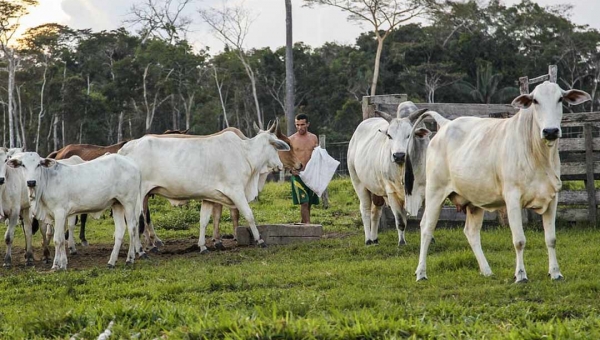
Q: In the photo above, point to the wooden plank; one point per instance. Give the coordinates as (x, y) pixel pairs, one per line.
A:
(573, 215)
(589, 167)
(280, 233)
(575, 197)
(577, 171)
(367, 109)
(394, 99)
(539, 79)
(576, 144)
(580, 117)
(553, 73)
(450, 110)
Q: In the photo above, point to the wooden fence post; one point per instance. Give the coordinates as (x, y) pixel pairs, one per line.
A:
(524, 85)
(589, 169)
(553, 73)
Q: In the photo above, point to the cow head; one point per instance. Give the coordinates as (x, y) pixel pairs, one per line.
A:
(546, 105)
(288, 158)
(400, 130)
(32, 165)
(272, 145)
(4, 156)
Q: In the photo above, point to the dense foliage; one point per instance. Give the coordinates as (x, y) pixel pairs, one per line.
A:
(100, 87)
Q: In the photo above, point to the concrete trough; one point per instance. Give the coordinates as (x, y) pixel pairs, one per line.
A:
(280, 233)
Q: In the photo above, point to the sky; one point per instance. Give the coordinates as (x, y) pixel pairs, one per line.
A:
(313, 26)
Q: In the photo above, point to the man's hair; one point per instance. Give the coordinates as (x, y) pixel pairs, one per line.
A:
(302, 116)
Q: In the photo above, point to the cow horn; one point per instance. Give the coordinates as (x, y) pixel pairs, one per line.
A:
(256, 128)
(384, 115)
(273, 127)
(415, 115)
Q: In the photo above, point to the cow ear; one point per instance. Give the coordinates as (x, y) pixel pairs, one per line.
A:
(523, 101)
(575, 97)
(14, 163)
(422, 132)
(280, 145)
(47, 162)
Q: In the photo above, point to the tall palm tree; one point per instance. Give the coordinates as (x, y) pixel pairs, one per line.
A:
(486, 89)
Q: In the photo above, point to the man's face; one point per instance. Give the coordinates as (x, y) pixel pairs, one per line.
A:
(302, 126)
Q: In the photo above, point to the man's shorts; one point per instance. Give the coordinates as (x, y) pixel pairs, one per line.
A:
(301, 193)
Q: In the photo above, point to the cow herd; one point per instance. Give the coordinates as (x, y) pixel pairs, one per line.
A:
(54, 191)
(479, 164)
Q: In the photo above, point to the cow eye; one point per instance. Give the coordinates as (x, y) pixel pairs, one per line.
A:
(388, 135)
(535, 101)
(560, 99)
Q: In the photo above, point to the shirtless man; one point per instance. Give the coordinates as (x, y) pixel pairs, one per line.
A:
(303, 144)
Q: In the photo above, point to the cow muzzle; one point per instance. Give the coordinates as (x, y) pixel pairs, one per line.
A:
(551, 134)
(31, 184)
(1, 180)
(399, 157)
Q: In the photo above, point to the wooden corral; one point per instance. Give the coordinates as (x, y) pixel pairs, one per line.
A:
(579, 153)
(280, 233)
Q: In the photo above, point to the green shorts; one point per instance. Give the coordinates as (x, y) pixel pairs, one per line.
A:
(301, 193)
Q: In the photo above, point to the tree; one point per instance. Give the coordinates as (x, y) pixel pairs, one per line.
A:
(383, 16)
(231, 25)
(10, 14)
(159, 20)
(486, 86)
(289, 69)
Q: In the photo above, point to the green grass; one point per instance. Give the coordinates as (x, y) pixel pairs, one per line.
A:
(336, 288)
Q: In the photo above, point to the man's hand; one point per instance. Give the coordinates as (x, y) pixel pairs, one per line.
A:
(295, 172)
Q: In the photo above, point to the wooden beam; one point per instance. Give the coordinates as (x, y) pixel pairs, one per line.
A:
(553, 73)
(388, 99)
(524, 85)
(589, 169)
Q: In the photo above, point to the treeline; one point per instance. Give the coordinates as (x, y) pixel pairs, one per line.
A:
(79, 86)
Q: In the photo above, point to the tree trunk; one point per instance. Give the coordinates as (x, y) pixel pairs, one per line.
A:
(219, 88)
(289, 69)
(120, 127)
(23, 137)
(11, 87)
(376, 67)
(252, 77)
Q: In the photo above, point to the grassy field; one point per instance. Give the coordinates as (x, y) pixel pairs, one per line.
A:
(336, 288)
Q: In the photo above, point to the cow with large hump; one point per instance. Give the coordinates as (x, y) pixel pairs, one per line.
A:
(288, 159)
(484, 164)
(376, 159)
(14, 202)
(58, 191)
(223, 169)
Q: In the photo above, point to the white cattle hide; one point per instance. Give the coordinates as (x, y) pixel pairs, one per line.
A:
(488, 163)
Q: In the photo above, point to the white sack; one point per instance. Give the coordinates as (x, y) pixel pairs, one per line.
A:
(318, 172)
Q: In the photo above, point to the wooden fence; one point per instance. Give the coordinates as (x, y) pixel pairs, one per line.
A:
(579, 153)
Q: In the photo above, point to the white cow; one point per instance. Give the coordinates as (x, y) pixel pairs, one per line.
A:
(487, 163)
(60, 190)
(14, 202)
(223, 169)
(47, 230)
(376, 156)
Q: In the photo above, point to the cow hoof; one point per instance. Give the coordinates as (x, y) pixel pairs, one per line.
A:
(144, 256)
(523, 280)
(368, 242)
(261, 244)
(111, 266)
(401, 243)
(154, 250)
(219, 246)
(159, 243)
(128, 263)
(29, 263)
(205, 251)
(72, 252)
(557, 278)
(422, 278)
(376, 241)
(84, 243)
(7, 265)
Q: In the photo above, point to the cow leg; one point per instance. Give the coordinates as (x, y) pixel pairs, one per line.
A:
(83, 218)
(473, 233)
(71, 239)
(46, 227)
(399, 212)
(28, 231)
(235, 218)
(548, 219)
(364, 196)
(513, 210)
(118, 212)
(9, 238)
(60, 253)
(431, 214)
(205, 211)
(376, 211)
(216, 215)
(242, 205)
(152, 240)
(133, 231)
